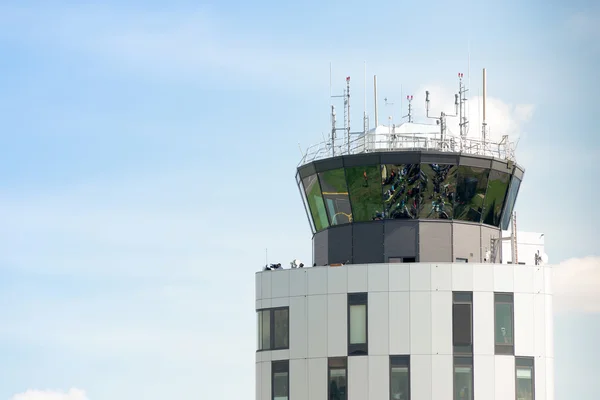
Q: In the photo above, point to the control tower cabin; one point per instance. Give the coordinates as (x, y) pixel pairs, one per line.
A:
(410, 295)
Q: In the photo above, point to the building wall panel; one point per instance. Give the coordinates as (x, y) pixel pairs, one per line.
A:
(337, 325)
(378, 323)
(317, 325)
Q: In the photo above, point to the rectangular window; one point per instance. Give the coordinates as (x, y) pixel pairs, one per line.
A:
(337, 382)
(280, 380)
(463, 378)
(273, 328)
(462, 322)
(524, 367)
(357, 324)
(504, 323)
(463, 260)
(399, 377)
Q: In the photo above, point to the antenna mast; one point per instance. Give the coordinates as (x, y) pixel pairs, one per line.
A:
(463, 109)
(484, 124)
(409, 115)
(347, 103)
(375, 94)
(441, 120)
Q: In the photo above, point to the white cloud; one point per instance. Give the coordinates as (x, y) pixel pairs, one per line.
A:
(577, 285)
(72, 394)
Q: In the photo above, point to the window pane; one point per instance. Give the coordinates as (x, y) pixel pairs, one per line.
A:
(399, 383)
(401, 190)
(281, 328)
(439, 191)
(462, 324)
(364, 185)
(504, 329)
(463, 383)
(358, 324)
(259, 329)
(470, 192)
(337, 384)
(280, 386)
(335, 194)
(524, 383)
(266, 329)
(494, 196)
(315, 202)
(306, 208)
(510, 202)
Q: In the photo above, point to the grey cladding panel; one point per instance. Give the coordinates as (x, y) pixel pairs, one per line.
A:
(340, 244)
(400, 238)
(361, 159)
(519, 173)
(329, 163)
(435, 241)
(320, 246)
(466, 241)
(411, 157)
(439, 158)
(501, 166)
(487, 234)
(475, 162)
(367, 242)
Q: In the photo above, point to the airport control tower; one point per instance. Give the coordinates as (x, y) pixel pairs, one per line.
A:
(408, 296)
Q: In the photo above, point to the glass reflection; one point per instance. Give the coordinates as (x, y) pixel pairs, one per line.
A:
(306, 209)
(364, 186)
(402, 186)
(463, 383)
(470, 192)
(510, 201)
(335, 195)
(439, 191)
(315, 202)
(492, 206)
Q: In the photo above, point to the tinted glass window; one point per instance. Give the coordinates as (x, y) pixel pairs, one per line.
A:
(510, 201)
(470, 192)
(504, 324)
(494, 197)
(402, 185)
(439, 189)
(358, 324)
(280, 380)
(337, 379)
(281, 328)
(335, 195)
(266, 329)
(315, 202)
(399, 378)
(462, 324)
(303, 195)
(364, 185)
(463, 382)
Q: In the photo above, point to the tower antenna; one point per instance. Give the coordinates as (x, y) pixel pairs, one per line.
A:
(409, 115)
(441, 120)
(375, 94)
(463, 121)
(484, 124)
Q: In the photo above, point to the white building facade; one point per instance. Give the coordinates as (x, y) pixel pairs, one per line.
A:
(420, 331)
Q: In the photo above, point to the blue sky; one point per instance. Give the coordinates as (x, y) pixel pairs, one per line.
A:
(148, 157)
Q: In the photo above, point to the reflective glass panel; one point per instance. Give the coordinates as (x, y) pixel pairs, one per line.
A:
(303, 195)
(364, 185)
(281, 329)
(280, 380)
(315, 202)
(504, 324)
(337, 384)
(470, 192)
(266, 329)
(510, 202)
(494, 197)
(335, 195)
(439, 189)
(524, 383)
(401, 186)
(463, 382)
(358, 324)
(399, 385)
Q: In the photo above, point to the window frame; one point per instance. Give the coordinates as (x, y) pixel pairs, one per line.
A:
(401, 361)
(525, 363)
(462, 298)
(504, 349)
(330, 367)
(271, 313)
(284, 366)
(462, 260)
(357, 299)
(463, 361)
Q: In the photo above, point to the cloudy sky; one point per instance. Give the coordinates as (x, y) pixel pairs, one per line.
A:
(148, 152)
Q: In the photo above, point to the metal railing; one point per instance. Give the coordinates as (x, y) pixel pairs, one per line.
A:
(373, 142)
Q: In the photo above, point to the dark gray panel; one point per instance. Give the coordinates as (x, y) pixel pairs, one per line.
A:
(400, 238)
(320, 246)
(329, 163)
(435, 241)
(501, 166)
(367, 242)
(401, 157)
(361, 159)
(471, 161)
(340, 244)
(307, 170)
(439, 158)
